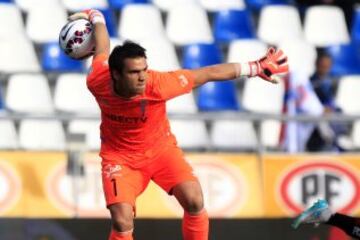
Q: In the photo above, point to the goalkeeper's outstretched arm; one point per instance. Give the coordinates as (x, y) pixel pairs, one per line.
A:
(267, 67)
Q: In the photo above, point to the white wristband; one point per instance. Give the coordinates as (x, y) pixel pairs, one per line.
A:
(98, 19)
(249, 69)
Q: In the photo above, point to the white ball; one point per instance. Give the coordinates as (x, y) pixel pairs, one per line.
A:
(76, 39)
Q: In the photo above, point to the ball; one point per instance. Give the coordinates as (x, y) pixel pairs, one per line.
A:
(76, 39)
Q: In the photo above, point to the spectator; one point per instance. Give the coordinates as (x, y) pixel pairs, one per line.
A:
(300, 99)
(327, 137)
(1, 100)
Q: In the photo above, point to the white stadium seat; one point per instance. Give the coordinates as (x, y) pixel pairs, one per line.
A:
(29, 93)
(278, 23)
(18, 56)
(182, 104)
(8, 139)
(301, 55)
(78, 5)
(219, 5)
(188, 24)
(233, 135)
(355, 135)
(10, 15)
(44, 23)
(246, 50)
(161, 54)
(28, 5)
(41, 135)
(190, 134)
(325, 26)
(270, 133)
(72, 95)
(348, 93)
(263, 97)
(91, 129)
(140, 21)
(166, 5)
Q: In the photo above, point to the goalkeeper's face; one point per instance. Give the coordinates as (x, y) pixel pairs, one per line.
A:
(134, 76)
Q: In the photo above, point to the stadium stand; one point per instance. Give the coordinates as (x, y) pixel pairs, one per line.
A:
(53, 59)
(20, 99)
(346, 59)
(40, 31)
(75, 5)
(72, 96)
(89, 128)
(219, 5)
(218, 96)
(20, 56)
(199, 137)
(9, 139)
(140, 21)
(10, 16)
(232, 24)
(325, 26)
(41, 135)
(356, 134)
(200, 55)
(182, 29)
(161, 54)
(217, 31)
(355, 29)
(348, 90)
(119, 4)
(166, 5)
(273, 28)
(257, 5)
(28, 5)
(111, 22)
(297, 50)
(233, 135)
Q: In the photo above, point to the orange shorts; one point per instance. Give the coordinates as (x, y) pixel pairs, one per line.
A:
(123, 184)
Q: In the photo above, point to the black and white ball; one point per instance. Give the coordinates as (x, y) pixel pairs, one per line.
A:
(76, 39)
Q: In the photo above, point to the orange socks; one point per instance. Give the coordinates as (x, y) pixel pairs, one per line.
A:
(114, 235)
(196, 227)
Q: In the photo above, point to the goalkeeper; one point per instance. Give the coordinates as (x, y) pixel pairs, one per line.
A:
(136, 142)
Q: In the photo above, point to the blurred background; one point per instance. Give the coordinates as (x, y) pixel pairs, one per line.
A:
(262, 152)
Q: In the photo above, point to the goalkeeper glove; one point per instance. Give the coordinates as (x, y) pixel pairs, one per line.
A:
(267, 67)
(93, 15)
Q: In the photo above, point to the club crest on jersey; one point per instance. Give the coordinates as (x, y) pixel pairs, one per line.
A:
(111, 170)
(183, 80)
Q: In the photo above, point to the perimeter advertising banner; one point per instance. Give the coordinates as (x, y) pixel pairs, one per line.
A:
(293, 182)
(37, 184)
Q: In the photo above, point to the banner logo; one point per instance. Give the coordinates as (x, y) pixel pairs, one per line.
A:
(80, 196)
(304, 184)
(10, 187)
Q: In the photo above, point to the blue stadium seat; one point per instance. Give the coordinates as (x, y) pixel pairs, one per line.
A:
(355, 29)
(202, 54)
(119, 4)
(53, 59)
(233, 24)
(256, 5)
(218, 96)
(346, 59)
(110, 21)
(6, 1)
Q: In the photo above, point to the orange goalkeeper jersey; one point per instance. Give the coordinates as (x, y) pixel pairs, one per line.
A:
(134, 130)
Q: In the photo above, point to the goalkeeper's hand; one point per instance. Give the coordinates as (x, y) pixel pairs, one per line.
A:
(273, 63)
(93, 15)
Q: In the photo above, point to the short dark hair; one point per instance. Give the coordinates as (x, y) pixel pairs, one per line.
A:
(129, 49)
(321, 54)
